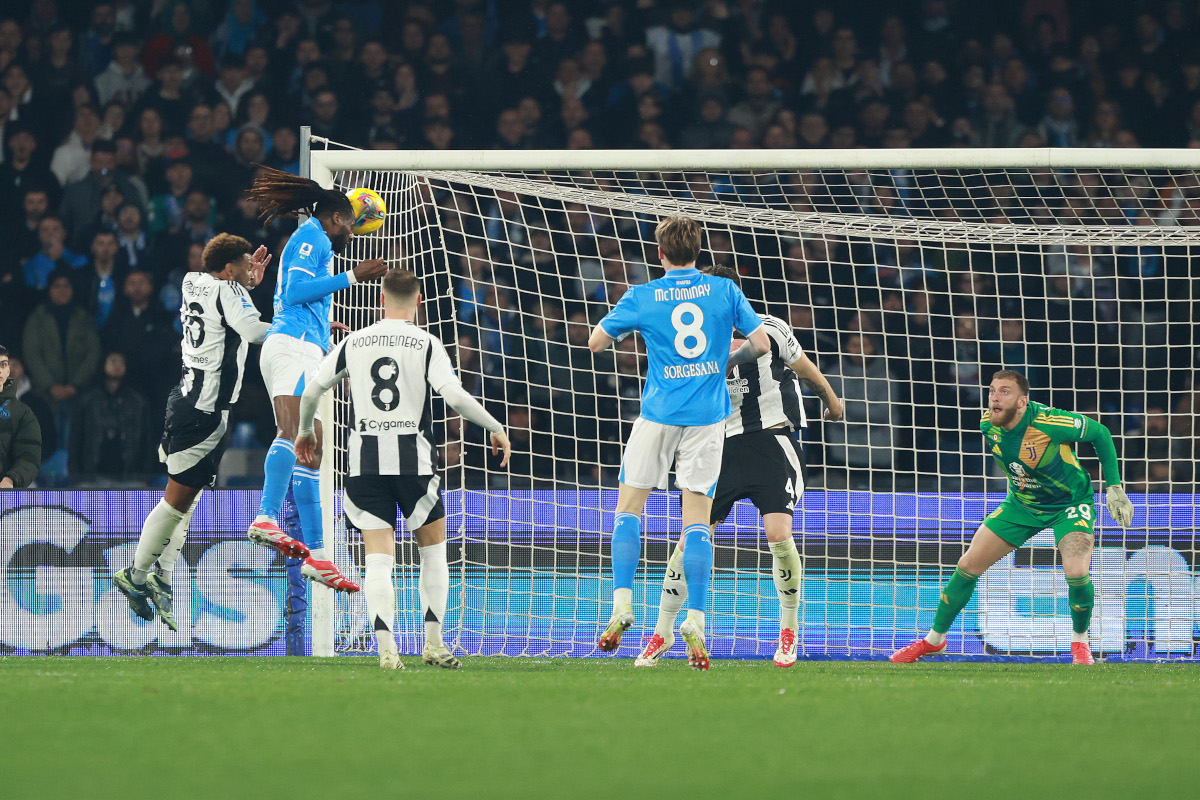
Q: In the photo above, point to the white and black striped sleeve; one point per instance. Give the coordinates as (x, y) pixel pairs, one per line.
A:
(789, 349)
(240, 313)
(439, 371)
(332, 370)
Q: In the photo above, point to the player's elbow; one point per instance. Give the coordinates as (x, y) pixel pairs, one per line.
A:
(598, 340)
(759, 341)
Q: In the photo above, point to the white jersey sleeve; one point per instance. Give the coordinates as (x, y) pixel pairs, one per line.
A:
(789, 349)
(240, 313)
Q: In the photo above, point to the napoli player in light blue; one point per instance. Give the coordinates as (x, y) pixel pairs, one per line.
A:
(294, 347)
(686, 319)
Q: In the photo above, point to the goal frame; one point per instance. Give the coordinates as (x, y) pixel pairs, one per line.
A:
(321, 165)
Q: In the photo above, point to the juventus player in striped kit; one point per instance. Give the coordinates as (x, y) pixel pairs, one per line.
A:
(392, 365)
(764, 463)
(219, 322)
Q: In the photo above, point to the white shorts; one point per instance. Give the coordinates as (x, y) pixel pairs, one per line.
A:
(287, 364)
(695, 451)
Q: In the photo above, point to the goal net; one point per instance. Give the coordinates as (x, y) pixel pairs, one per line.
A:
(908, 276)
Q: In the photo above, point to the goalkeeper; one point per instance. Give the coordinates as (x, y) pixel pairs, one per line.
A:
(1047, 489)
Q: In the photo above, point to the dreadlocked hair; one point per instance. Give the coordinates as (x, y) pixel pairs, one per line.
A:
(281, 194)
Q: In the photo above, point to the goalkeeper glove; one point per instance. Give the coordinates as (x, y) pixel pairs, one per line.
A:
(1120, 507)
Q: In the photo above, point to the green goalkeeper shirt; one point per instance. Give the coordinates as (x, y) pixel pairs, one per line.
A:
(1043, 472)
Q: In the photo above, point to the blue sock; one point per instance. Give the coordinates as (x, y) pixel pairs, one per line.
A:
(626, 549)
(306, 491)
(277, 468)
(697, 564)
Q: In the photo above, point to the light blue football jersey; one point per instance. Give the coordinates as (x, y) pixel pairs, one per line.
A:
(687, 320)
(306, 283)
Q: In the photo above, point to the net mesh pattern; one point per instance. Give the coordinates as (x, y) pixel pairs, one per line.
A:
(907, 288)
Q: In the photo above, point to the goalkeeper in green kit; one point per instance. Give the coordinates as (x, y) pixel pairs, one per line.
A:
(1046, 489)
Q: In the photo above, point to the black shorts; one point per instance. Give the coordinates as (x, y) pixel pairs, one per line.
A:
(193, 443)
(764, 467)
(371, 500)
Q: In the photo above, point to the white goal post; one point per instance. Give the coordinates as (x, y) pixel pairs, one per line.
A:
(910, 275)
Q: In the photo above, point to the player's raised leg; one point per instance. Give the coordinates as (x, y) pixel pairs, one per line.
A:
(626, 548)
(281, 456)
(1076, 549)
(672, 597)
(787, 571)
(986, 549)
(158, 530)
(306, 491)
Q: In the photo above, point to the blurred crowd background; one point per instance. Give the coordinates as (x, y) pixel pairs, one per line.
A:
(130, 130)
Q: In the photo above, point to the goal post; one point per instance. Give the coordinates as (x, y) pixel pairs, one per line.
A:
(908, 274)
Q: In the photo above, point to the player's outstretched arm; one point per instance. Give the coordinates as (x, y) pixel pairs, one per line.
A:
(471, 410)
(811, 376)
(304, 286)
(1120, 507)
(332, 370)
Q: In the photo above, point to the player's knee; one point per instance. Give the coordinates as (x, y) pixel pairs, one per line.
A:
(1074, 571)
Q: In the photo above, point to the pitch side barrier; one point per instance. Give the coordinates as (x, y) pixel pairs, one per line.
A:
(874, 563)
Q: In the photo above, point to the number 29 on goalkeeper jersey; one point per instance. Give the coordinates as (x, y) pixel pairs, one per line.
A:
(686, 319)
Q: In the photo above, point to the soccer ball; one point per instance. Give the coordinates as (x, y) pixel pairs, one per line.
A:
(369, 210)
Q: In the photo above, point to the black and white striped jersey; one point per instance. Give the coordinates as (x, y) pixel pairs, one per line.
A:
(219, 323)
(767, 393)
(392, 365)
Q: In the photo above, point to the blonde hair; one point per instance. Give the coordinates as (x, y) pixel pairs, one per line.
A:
(679, 239)
(401, 286)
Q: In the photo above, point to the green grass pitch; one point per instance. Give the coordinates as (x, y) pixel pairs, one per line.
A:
(527, 728)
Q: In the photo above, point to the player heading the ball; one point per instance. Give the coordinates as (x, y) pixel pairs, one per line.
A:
(295, 345)
(686, 319)
(392, 366)
(1047, 488)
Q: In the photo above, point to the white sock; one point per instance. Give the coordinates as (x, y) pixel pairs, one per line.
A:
(381, 599)
(696, 617)
(166, 561)
(935, 638)
(622, 598)
(157, 531)
(264, 518)
(674, 594)
(318, 554)
(1079, 637)
(788, 573)
(433, 587)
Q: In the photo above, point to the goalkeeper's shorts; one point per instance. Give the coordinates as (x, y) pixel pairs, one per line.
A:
(765, 467)
(371, 501)
(1016, 524)
(695, 450)
(193, 442)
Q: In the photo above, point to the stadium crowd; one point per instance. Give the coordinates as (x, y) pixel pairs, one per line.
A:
(131, 128)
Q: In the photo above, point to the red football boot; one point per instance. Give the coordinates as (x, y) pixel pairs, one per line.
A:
(1081, 653)
(268, 534)
(326, 572)
(918, 649)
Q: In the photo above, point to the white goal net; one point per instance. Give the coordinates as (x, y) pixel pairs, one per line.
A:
(908, 276)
